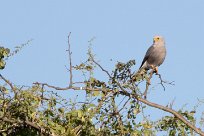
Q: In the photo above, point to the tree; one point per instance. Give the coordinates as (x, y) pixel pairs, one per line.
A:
(39, 110)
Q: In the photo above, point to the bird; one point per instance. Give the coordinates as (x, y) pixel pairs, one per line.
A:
(155, 55)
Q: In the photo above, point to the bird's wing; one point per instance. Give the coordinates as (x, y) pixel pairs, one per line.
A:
(148, 53)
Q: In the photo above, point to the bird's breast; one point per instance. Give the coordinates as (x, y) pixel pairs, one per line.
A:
(157, 56)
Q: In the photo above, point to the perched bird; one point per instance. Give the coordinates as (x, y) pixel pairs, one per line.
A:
(155, 55)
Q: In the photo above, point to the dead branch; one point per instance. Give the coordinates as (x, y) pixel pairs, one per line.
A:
(70, 62)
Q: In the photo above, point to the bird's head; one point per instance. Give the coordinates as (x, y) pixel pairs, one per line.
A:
(158, 39)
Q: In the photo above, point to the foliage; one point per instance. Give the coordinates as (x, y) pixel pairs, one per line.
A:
(176, 127)
(112, 106)
(42, 108)
(4, 52)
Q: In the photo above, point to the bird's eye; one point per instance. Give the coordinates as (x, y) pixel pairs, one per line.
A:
(157, 38)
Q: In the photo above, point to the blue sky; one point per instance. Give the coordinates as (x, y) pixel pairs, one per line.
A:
(123, 30)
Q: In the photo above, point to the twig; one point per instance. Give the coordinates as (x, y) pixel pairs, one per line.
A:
(10, 84)
(101, 67)
(70, 62)
(121, 101)
(124, 105)
(162, 82)
(72, 87)
(148, 84)
(172, 103)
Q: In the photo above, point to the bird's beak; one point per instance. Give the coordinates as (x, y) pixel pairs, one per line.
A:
(155, 40)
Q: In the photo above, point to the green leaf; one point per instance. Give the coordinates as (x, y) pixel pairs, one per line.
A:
(79, 113)
(61, 110)
(96, 93)
(2, 64)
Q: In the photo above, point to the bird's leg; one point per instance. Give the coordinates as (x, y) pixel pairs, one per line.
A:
(155, 68)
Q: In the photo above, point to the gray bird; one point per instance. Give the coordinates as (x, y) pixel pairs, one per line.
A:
(155, 55)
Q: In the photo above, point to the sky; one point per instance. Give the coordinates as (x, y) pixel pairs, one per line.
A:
(122, 30)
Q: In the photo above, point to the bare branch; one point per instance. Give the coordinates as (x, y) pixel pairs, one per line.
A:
(101, 67)
(124, 105)
(70, 62)
(72, 87)
(10, 84)
(148, 83)
(162, 82)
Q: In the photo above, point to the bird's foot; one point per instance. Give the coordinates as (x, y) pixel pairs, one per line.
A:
(155, 69)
